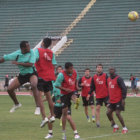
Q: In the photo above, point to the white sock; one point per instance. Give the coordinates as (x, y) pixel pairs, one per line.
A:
(50, 131)
(115, 126)
(75, 132)
(124, 128)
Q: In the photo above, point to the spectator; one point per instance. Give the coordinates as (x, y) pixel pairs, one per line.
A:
(134, 81)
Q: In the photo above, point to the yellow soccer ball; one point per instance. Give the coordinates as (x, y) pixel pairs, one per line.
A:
(133, 15)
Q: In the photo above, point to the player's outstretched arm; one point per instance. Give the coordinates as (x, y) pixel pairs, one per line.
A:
(2, 60)
(22, 64)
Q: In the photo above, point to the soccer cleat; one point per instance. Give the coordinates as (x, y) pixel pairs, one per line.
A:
(37, 111)
(63, 136)
(76, 136)
(49, 136)
(44, 122)
(13, 109)
(77, 103)
(88, 120)
(124, 130)
(98, 125)
(93, 120)
(115, 128)
(52, 119)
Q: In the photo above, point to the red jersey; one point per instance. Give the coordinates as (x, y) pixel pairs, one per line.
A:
(100, 82)
(115, 94)
(86, 87)
(69, 81)
(44, 66)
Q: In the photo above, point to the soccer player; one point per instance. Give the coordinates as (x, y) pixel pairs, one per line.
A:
(24, 59)
(117, 94)
(99, 85)
(58, 112)
(67, 82)
(85, 83)
(59, 69)
(45, 66)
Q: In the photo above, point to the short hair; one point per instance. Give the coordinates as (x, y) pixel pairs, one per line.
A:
(99, 65)
(59, 67)
(68, 65)
(47, 42)
(112, 67)
(87, 69)
(23, 44)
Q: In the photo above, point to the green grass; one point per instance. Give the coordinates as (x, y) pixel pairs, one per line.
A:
(24, 125)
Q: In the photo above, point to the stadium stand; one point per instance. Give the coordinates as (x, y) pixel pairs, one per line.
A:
(104, 35)
(32, 20)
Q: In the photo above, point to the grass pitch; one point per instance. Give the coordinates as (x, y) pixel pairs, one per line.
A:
(24, 125)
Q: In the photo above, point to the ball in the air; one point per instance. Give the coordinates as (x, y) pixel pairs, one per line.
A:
(133, 15)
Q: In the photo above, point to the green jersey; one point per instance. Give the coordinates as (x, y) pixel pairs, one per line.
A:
(22, 58)
(57, 95)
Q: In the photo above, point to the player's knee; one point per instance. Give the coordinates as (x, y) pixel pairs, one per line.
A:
(92, 106)
(117, 113)
(97, 109)
(33, 86)
(9, 90)
(108, 113)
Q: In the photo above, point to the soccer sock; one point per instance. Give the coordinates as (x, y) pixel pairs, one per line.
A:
(98, 123)
(75, 132)
(93, 117)
(87, 117)
(50, 132)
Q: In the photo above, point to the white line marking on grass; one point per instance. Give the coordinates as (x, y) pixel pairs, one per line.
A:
(108, 135)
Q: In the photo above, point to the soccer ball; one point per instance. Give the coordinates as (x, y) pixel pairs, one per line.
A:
(133, 15)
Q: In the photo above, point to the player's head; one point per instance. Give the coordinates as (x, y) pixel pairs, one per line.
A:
(87, 72)
(99, 68)
(46, 43)
(112, 70)
(59, 69)
(69, 67)
(25, 47)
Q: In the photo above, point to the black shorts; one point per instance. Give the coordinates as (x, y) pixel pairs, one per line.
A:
(89, 102)
(66, 100)
(58, 111)
(116, 106)
(44, 86)
(100, 101)
(25, 78)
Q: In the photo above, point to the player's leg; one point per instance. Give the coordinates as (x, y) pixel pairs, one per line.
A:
(98, 107)
(42, 108)
(110, 111)
(99, 103)
(118, 114)
(65, 101)
(93, 113)
(51, 105)
(109, 115)
(34, 80)
(64, 119)
(73, 126)
(91, 104)
(85, 105)
(86, 113)
(119, 108)
(50, 130)
(11, 91)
